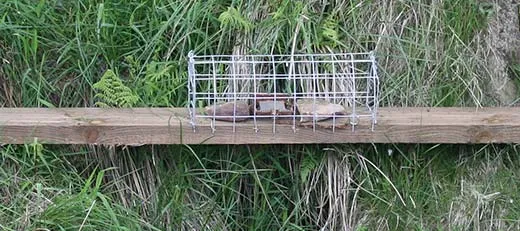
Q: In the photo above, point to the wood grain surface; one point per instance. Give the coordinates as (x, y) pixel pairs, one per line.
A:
(137, 126)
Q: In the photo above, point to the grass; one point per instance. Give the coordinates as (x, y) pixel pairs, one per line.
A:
(116, 53)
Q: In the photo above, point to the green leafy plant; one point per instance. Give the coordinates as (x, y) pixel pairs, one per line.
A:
(157, 86)
(329, 34)
(112, 92)
(307, 165)
(234, 19)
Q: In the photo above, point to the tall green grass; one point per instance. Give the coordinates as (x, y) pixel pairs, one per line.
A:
(58, 53)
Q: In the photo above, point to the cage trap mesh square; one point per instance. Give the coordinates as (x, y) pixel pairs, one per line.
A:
(334, 91)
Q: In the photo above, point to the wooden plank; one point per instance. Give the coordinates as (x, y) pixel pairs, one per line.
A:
(138, 126)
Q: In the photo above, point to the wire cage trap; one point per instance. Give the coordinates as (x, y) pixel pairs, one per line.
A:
(335, 90)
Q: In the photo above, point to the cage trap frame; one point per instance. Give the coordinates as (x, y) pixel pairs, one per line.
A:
(334, 90)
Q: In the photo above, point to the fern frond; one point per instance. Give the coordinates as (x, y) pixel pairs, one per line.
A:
(234, 19)
(112, 92)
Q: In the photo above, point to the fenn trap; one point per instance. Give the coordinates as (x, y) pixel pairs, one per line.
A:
(333, 91)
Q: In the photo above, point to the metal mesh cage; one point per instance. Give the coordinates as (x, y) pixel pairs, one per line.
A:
(297, 89)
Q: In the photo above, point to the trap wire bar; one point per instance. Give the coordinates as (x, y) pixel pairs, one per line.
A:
(337, 89)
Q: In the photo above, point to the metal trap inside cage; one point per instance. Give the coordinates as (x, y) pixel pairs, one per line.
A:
(336, 90)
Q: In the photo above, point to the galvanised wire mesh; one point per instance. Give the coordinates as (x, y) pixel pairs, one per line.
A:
(290, 89)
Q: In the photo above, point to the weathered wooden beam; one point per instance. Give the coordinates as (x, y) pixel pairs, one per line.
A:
(138, 126)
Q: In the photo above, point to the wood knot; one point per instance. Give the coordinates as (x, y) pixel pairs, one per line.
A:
(482, 136)
(91, 135)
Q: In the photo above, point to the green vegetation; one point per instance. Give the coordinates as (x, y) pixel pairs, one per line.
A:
(56, 53)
